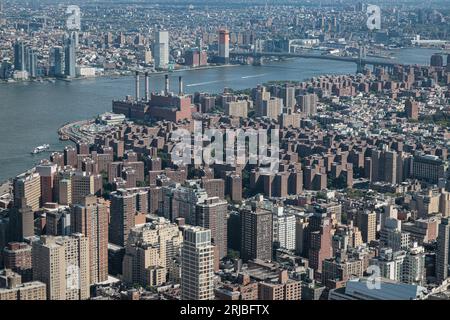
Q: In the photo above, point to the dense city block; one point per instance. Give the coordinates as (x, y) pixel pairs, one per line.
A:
(334, 187)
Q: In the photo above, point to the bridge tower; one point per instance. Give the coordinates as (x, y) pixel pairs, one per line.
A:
(257, 57)
(361, 56)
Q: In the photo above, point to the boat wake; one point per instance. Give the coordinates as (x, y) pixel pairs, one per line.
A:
(217, 81)
(203, 83)
(254, 76)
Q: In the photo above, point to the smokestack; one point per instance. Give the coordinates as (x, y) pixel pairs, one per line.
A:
(137, 86)
(147, 96)
(180, 91)
(166, 86)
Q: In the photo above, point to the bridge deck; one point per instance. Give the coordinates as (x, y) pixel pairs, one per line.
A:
(380, 62)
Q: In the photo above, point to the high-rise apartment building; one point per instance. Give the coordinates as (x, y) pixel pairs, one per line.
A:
(151, 251)
(390, 263)
(47, 173)
(128, 208)
(5, 69)
(319, 241)
(289, 100)
(429, 168)
(443, 250)
(70, 156)
(84, 184)
(271, 108)
(391, 235)
(384, 166)
(197, 265)
(212, 214)
(367, 223)
(196, 57)
(161, 49)
(77, 266)
(284, 227)
(63, 187)
(308, 104)
(57, 221)
(233, 186)
(224, 46)
(17, 257)
(422, 230)
(58, 61)
(91, 219)
(412, 109)
(237, 108)
(19, 56)
(50, 267)
(180, 201)
(27, 187)
(301, 236)
(256, 234)
(414, 270)
(4, 235)
(444, 203)
(214, 187)
(261, 94)
(70, 57)
(437, 60)
(402, 266)
(108, 39)
(62, 263)
(21, 222)
(31, 62)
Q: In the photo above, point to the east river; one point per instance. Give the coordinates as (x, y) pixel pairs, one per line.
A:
(31, 113)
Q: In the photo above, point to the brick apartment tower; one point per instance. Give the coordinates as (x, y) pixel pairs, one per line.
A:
(212, 214)
(17, 257)
(91, 219)
(319, 241)
(256, 234)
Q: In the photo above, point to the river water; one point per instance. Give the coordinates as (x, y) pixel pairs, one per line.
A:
(31, 113)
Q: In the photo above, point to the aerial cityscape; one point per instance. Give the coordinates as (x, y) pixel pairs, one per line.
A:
(224, 150)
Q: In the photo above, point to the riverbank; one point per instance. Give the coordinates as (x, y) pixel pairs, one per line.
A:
(126, 73)
(5, 187)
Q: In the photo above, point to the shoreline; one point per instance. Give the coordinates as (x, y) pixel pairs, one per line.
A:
(127, 73)
(130, 73)
(5, 184)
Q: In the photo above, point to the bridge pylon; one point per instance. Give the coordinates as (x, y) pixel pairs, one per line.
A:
(258, 60)
(360, 65)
